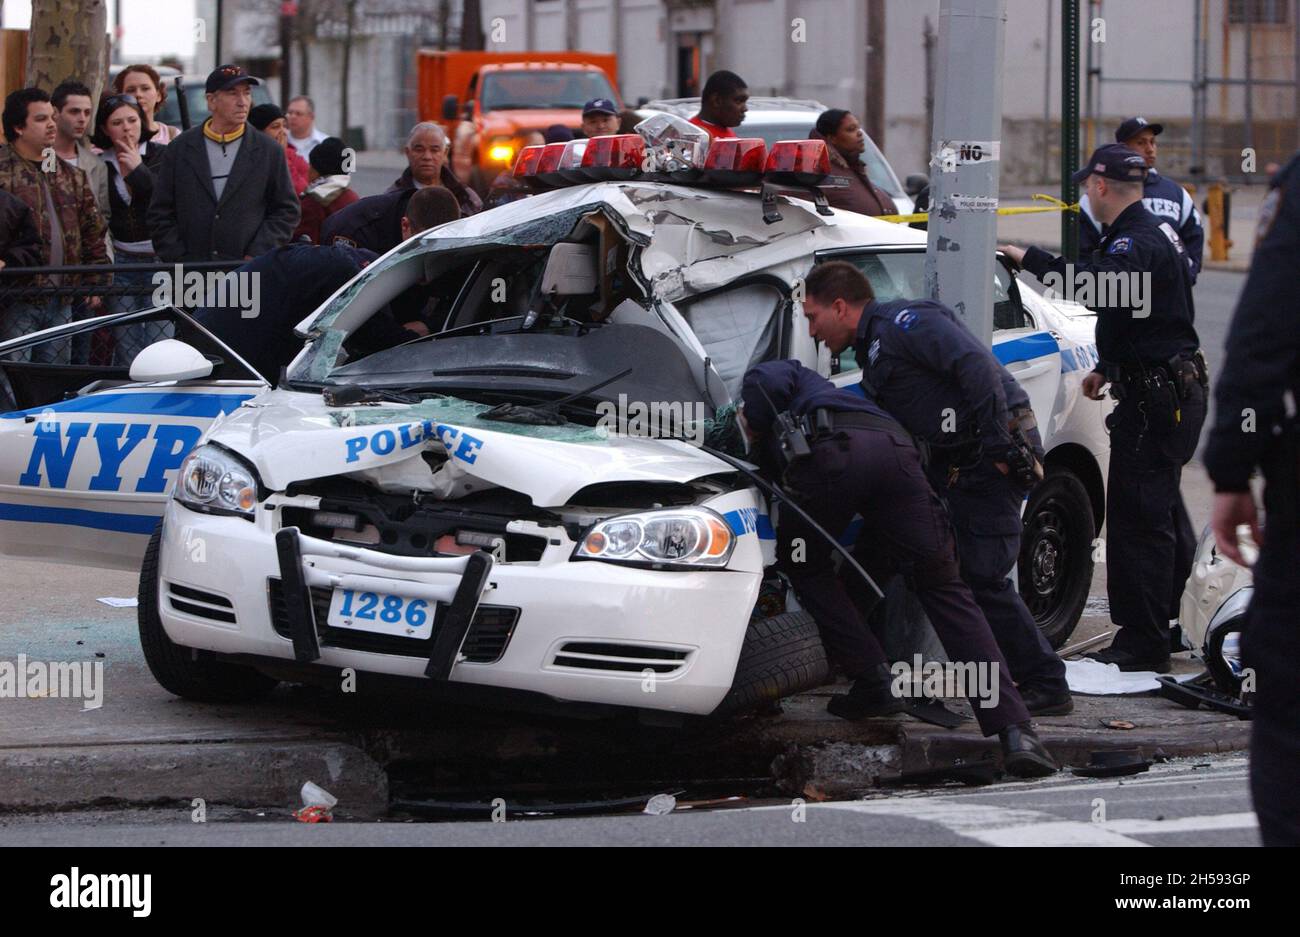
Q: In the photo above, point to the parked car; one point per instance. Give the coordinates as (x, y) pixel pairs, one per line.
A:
(793, 119)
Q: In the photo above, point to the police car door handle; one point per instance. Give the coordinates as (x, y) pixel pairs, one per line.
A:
(1022, 370)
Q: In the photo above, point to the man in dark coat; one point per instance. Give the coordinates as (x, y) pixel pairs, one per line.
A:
(222, 191)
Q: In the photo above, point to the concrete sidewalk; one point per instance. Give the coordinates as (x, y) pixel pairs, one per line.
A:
(144, 746)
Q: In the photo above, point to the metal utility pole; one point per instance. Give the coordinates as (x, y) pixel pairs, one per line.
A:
(962, 233)
(874, 118)
(1069, 125)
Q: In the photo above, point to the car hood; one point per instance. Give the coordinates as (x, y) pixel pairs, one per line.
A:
(291, 436)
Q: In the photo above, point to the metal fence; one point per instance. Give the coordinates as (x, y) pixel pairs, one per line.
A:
(36, 298)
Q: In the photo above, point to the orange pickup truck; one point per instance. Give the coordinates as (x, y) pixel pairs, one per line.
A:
(492, 99)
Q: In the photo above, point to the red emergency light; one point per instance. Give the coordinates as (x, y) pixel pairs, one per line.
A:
(616, 156)
(529, 157)
(797, 162)
(736, 161)
(549, 161)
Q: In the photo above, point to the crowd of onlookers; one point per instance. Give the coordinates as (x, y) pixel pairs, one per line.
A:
(85, 184)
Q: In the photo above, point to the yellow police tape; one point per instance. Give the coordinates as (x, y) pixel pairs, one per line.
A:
(1057, 205)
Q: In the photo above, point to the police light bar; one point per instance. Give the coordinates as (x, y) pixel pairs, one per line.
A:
(616, 156)
(736, 161)
(797, 162)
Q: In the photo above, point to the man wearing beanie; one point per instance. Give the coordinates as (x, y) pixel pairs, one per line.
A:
(270, 120)
(327, 191)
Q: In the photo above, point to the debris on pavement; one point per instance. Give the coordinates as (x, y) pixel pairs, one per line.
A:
(318, 804)
(660, 804)
(113, 601)
(1093, 678)
(1113, 763)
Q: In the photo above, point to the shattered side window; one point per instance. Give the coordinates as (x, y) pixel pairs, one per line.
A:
(892, 274)
(737, 327)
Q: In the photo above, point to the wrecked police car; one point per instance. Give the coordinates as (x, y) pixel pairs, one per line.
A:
(461, 508)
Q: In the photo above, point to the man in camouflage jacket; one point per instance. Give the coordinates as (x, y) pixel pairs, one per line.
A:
(62, 201)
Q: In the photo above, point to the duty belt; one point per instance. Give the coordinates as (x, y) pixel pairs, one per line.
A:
(824, 422)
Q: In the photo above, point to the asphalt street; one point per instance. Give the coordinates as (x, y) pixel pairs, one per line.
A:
(1202, 802)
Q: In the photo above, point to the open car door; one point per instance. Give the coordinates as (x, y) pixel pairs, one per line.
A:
(87, 455)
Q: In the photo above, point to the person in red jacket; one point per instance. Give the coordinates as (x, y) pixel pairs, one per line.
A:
(722, 104)
(270, 120)
(328, 190)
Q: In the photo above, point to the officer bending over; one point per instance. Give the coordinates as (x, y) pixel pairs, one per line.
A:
(946, 388)
(1149, 353)
(863, 463)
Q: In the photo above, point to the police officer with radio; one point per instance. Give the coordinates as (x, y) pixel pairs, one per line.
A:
(839, 455)
(1256, 425)
(950, 392)
(1149, 354)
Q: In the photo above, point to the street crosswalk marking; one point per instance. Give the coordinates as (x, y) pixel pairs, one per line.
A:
(996, 826)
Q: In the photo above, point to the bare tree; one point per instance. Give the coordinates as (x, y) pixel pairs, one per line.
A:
(471, 26)
(350, 22)
(68, 39)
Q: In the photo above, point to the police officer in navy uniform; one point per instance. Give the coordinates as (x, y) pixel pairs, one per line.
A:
(1161, 196)
(1149, 354)
(1255, 425)
(928, 371)
(862, 462)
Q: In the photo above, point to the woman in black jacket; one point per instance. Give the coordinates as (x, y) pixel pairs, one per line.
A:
(119, 124)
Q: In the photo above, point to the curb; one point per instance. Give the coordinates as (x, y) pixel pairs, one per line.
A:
(801, 752)
(257, 774)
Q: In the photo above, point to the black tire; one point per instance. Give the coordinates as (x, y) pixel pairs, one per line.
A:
(180, 670)
(1055, 566)
(782, 655)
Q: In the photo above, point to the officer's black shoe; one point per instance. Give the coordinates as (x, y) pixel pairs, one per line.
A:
(1023, 755)
(869, 696)
(1041, 701)
(1129, 662)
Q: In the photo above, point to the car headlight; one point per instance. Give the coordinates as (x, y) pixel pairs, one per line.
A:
(676, 538)
(216, 481)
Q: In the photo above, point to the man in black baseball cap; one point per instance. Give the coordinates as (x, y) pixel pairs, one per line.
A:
(1148, 352)
(1134, 126)
(1163, 197)
(1113, 161)
(224, 77)
(599, 117)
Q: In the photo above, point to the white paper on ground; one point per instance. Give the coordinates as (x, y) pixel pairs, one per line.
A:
(115, 602)
(1093, 678)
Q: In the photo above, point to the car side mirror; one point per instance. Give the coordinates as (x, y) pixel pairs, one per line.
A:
(915, 183)
(450, 107)
(169, 360)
